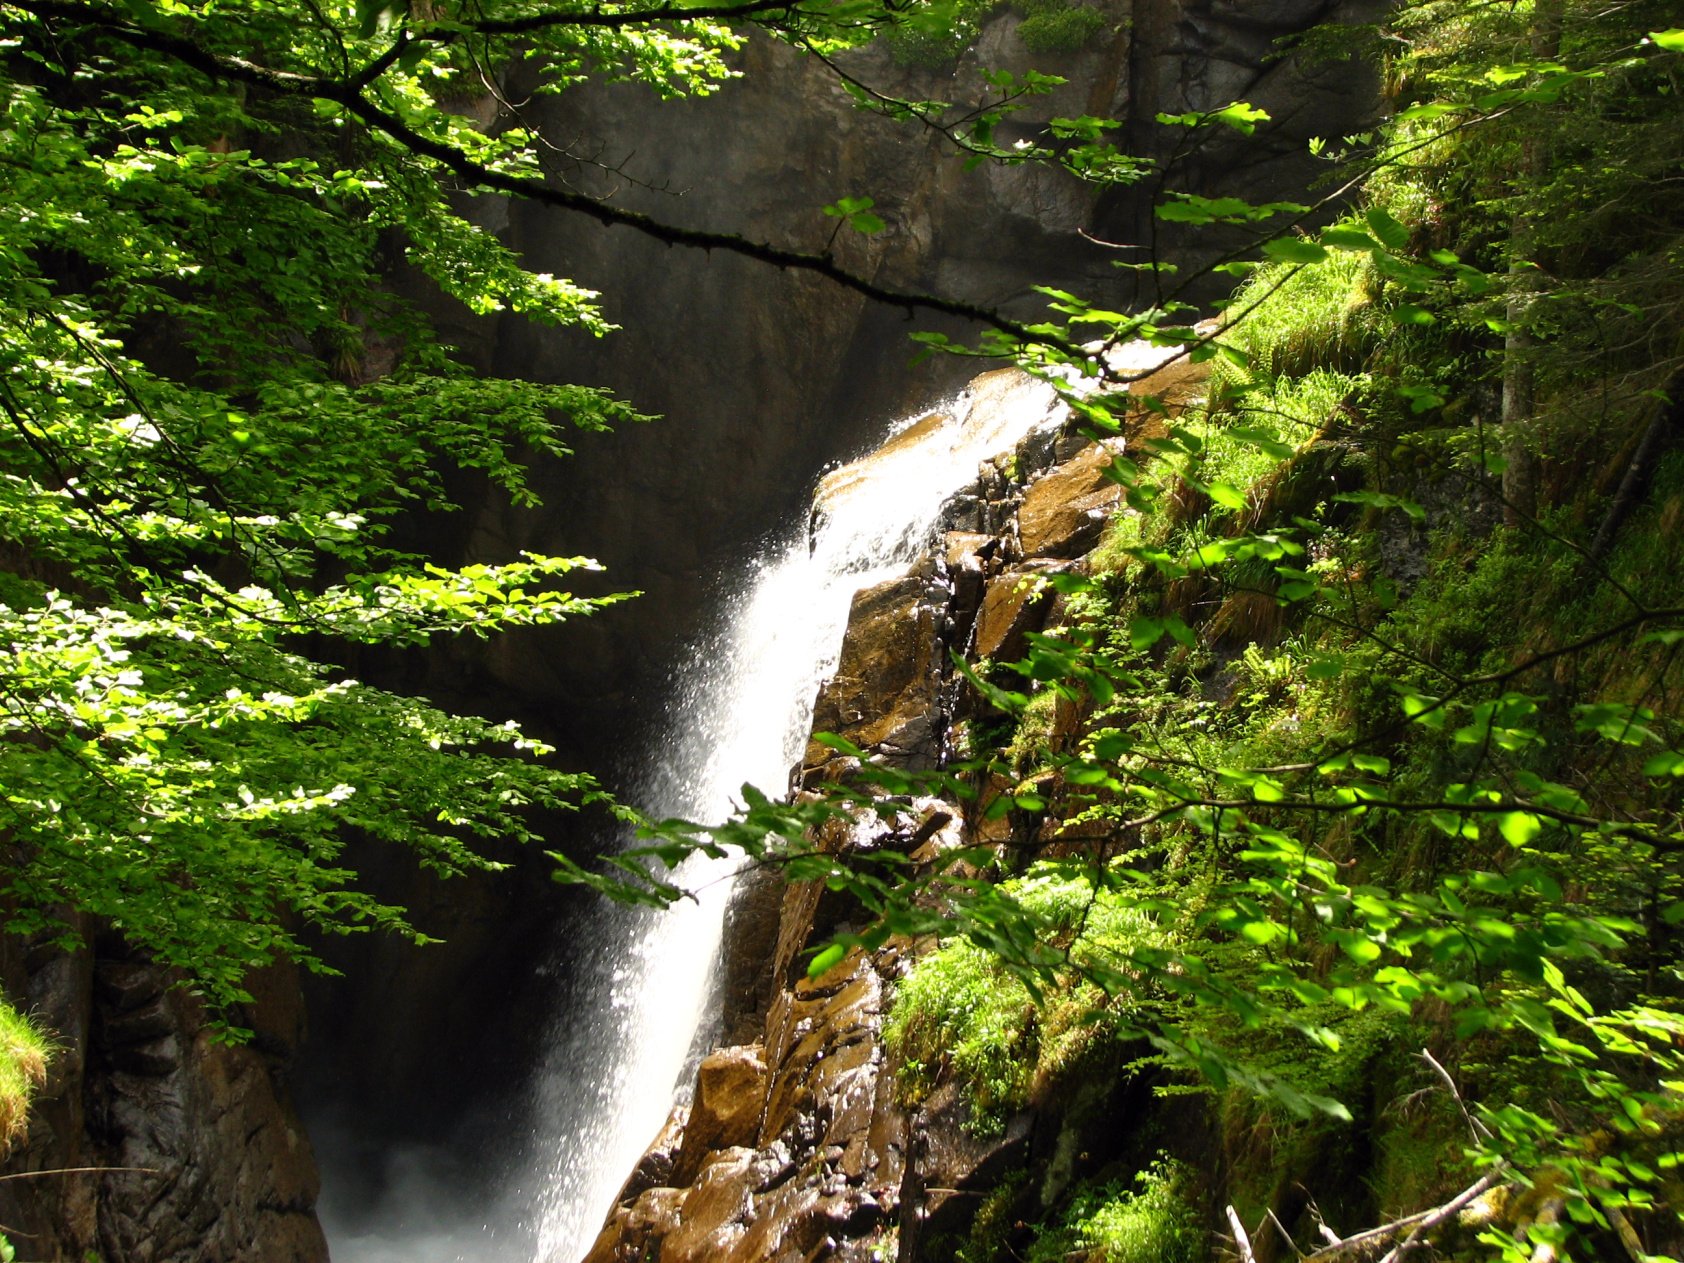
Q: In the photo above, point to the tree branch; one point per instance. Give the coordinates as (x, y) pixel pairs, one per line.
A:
(350, 95)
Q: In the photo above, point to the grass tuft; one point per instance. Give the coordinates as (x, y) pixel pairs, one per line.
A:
(24, 1053)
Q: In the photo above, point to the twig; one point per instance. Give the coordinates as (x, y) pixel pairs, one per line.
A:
(29, 1175)
(1241, 1240)
(1359, 1244)
(1285, 1235)
(1480, 1130)
(1434, 1218)
(1627, 1234)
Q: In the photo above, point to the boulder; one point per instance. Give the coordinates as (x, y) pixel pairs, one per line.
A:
(1014, 604)
(885, 691)
(725, 1114)
(715, 1212)
(1065, 509)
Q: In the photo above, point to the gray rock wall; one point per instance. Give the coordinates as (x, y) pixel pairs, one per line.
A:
(152, 1142)
(763, 378)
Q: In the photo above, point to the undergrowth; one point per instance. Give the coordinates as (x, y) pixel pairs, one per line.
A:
(1153, 1219)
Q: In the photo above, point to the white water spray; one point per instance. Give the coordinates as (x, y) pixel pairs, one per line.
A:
(741, 713)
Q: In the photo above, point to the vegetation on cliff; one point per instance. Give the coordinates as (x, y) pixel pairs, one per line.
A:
(24, 1055)
(1368, 706)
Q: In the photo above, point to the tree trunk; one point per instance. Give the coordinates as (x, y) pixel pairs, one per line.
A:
(1520, 431)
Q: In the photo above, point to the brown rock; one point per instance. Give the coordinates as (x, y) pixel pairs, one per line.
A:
(715, 1210)
(635, 1232)
(838, 483)
(730, 1095)
(219, 1163)
(1014, 605)
(884, 693)
(1065, 509)
(970, 559)
(1174, 385)
(948, 1164)
(654, 1168)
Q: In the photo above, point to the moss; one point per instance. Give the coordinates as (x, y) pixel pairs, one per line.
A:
(995, 1220)
(932, 37)
(1034, 732)
(1154, 1221)
(24, 1053)
(963, 1014)
(1056, 27)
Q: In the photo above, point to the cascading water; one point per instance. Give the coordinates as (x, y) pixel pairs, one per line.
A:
(740, 714)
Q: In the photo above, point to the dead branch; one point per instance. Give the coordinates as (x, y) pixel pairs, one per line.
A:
(1241, 1241)
(1413, 1229)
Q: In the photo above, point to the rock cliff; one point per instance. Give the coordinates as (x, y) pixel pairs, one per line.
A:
(764, 378)
(798, 1145)
(152, 1141)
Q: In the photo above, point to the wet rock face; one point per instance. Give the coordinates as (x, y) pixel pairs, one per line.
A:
(799, 1147)
(202, 1156)
(1064, 511)
(801, 1155)
(885, 693)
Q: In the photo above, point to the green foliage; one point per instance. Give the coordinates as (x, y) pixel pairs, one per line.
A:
(994, 1221)
(933, 36)
(1155, 1221)
(960, 1014)
(214, 412)
(1362, 800)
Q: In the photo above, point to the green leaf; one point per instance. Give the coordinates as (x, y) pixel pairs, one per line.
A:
(1666, 763)
(1294, 250)
(1145, 632)
(1390, 232)
(1519, 828)
(1383, 500)
(1671, 40)
(1410, 314)
(827, 959)
(1228, 497)
(1265, 441)
(1345, 238)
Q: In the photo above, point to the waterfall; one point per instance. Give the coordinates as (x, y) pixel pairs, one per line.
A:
(741, 710)
(633, 1015)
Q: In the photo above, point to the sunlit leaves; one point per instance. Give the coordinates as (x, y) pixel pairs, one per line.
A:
(1239, 116)
(1190, 208)
(1294, 250)
(214, 409)
(856, 212)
